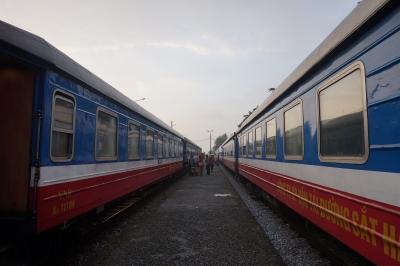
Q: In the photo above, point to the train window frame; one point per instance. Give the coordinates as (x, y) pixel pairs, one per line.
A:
(259, 126)
(358, 65)
(248, 143)
(272, 157)
(61, 94)
(240, 140)
(175, 148)
(160, 138)
(245, 144)
(172, 147)
(169, 147)
(111, 113)
(152, 148)
(140, 140)
(165, 146)
(287, 108)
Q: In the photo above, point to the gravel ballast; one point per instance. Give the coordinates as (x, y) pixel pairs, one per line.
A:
(293, 249)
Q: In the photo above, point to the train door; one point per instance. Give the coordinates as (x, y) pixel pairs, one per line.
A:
(17, 88)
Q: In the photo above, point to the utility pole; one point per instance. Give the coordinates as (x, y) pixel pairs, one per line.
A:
(209, 131)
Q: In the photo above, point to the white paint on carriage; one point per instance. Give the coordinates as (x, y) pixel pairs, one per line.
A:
(380, 186)
(50, 175)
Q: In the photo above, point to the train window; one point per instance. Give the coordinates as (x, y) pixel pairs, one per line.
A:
(271, 139)
(160, 146)
(106, 135)
(258, 142)
(244, 147)
(250, 144)
(342, 118)
(149, 144)
(133, 141)
(62, 136)
(293, 128)
(240, 145)
(165, 147)
(175, 149)
(170, 148)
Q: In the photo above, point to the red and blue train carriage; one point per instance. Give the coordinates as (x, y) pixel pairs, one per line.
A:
(71, 142)
(191, 149)
(326, 142)
(228, 154)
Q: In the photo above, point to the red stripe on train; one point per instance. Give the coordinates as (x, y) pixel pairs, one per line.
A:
(371, 228)
(61, 202)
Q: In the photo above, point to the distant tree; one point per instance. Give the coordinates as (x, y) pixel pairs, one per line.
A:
(219, 140)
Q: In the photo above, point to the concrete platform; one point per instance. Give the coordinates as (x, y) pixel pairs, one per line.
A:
(198, 220)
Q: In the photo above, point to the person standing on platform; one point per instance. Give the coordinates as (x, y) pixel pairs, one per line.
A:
(201, 163)
(211, 163)
(192, 163)
(208, 165)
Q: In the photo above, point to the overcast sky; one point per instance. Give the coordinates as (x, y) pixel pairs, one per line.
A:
(201, 64)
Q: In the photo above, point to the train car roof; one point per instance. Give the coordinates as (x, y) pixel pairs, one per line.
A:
(228, 139)
(40, 48)
(191, 142)
(360, 14)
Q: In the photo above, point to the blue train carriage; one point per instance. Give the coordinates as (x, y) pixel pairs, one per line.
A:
(326, 143)
(230, 153)
(70, 142)
(191, 149)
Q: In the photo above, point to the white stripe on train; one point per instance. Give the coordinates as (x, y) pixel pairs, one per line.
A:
(380, 186)
(50, 175)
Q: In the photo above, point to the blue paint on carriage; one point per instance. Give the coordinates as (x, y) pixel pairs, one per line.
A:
(377, 47)
(87, 102)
